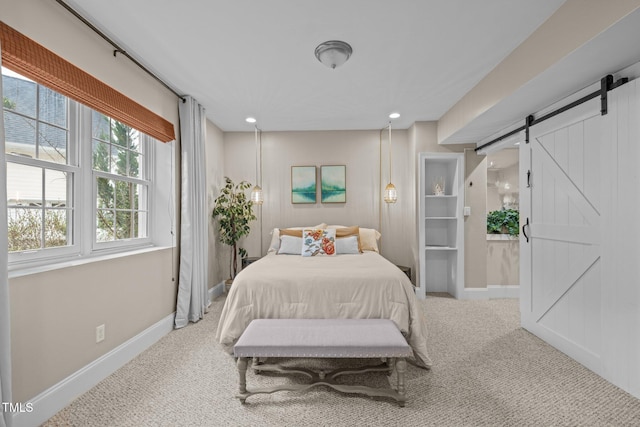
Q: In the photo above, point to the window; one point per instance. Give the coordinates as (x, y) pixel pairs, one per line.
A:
(118, 163)
(77, 181)
(40, 166)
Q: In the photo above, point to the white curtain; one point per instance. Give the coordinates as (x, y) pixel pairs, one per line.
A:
(193, 297)
(5, 329)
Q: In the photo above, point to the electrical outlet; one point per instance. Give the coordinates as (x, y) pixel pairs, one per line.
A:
(467, 210)
(100, 333)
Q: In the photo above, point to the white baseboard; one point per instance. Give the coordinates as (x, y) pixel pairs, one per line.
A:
(503, 291)
(53, 400)
(216, 291)
(491, 292)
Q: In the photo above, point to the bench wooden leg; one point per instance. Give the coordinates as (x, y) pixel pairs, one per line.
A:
(391, 363)
(242, 372)
(401, 368)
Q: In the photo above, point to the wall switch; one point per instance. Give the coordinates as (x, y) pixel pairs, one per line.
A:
(467, 210)
(100, 333)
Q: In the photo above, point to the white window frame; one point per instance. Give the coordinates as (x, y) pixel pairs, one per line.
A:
(51, 255)
(147, 142)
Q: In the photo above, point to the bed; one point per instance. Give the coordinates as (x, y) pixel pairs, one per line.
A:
(363, 285)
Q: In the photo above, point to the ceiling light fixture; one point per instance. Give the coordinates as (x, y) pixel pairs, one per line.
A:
(390, 193)
(394, 115)
(333, 53)
(256, 192)
(250, 120)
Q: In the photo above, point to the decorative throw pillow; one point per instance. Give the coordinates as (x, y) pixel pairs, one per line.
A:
(316, 241)
(347, 245)
(290, 245)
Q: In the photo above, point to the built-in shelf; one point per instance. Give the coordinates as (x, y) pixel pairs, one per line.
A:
(441, 231)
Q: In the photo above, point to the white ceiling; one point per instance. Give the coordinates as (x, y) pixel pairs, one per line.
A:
(256, 58)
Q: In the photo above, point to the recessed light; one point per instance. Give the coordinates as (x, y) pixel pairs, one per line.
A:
(250, 120)
(394, 115)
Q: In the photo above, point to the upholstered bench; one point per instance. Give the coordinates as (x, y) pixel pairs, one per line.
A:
(324, 338)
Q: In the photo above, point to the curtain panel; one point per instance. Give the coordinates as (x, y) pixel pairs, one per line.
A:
(193, 299)
(32, 60)
(5, 327)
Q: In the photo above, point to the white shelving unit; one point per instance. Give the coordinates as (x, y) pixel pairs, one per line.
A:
(441, 224)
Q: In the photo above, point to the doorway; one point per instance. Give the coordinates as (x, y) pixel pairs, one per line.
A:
(503, 190)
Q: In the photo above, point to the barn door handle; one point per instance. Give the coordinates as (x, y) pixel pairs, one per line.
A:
(524, 232)
(529, 179)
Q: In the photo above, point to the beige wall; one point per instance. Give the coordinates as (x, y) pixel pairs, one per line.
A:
(54, 314)
(360, 152)
(475, 225)
(572, 25)
(214, 151)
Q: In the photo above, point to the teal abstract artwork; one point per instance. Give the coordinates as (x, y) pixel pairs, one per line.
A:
(333, 184)
(303, 184)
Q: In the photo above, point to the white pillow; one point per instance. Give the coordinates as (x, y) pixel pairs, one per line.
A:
(347, 245)
(290, 245)
(368, 237)
(275, 236)
(275, 240)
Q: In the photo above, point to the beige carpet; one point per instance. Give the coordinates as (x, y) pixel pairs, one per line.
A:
(487, 372)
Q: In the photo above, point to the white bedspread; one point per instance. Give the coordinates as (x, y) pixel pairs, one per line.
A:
(343, 286)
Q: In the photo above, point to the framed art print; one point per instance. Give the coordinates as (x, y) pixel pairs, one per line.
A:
(303, 184)
(333, 184)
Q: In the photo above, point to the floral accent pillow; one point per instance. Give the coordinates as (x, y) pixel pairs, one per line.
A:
(316, 241)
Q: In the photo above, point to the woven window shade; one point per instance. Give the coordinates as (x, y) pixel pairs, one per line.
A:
(32, 60)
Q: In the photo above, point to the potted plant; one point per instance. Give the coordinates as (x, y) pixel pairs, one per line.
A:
(234, 212)
(503, 221)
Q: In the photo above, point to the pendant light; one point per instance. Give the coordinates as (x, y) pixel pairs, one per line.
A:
(390, 193)
(256, 192)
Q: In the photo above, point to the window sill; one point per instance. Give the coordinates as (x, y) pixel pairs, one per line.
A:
(19, 271)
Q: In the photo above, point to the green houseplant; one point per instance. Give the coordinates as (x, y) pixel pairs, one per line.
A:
(503, 221)
(234, 212)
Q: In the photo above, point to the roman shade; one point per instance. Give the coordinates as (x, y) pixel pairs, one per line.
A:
(32, 60)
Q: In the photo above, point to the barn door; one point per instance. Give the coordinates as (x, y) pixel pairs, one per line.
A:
(561, 219)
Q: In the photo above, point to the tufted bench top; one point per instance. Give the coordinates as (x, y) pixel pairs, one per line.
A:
(323, 338)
